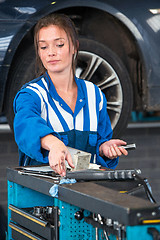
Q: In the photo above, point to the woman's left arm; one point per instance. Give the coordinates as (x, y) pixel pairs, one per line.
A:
(108, 150)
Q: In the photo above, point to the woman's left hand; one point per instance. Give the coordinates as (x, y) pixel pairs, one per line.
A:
(112, 148)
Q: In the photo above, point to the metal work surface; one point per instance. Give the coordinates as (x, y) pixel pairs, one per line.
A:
(104, 195)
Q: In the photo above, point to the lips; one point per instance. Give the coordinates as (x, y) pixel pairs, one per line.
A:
(53, 61)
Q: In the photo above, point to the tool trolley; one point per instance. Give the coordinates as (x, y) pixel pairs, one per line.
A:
(112, 205)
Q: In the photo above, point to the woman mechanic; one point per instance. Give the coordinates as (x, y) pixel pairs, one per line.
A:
(57, 109)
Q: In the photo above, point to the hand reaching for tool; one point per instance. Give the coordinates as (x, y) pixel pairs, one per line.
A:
(58, 153)
(112, 148)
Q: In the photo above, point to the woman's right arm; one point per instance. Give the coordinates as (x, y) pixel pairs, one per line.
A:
(32, 132)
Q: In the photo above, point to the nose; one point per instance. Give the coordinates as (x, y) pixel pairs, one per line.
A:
(51, 51)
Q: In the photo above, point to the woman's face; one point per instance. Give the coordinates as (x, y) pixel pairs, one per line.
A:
(54, 49)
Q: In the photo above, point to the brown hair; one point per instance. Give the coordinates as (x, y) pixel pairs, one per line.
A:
(65, 23)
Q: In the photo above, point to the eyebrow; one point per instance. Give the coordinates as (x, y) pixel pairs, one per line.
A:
(54, 39)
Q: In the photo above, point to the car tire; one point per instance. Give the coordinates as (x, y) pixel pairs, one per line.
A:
(22, 71)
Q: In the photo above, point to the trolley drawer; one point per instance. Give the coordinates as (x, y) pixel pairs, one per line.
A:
(36, 220)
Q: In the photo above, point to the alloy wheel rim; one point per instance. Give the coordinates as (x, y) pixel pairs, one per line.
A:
(94, 68)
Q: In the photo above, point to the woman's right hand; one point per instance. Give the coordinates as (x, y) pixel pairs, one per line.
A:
(57, 156)
(58, 153)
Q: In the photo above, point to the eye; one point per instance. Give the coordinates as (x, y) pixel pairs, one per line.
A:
(60, 45)
(43, 48)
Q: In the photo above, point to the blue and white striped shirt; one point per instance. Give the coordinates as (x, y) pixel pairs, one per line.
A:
(40, 111)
